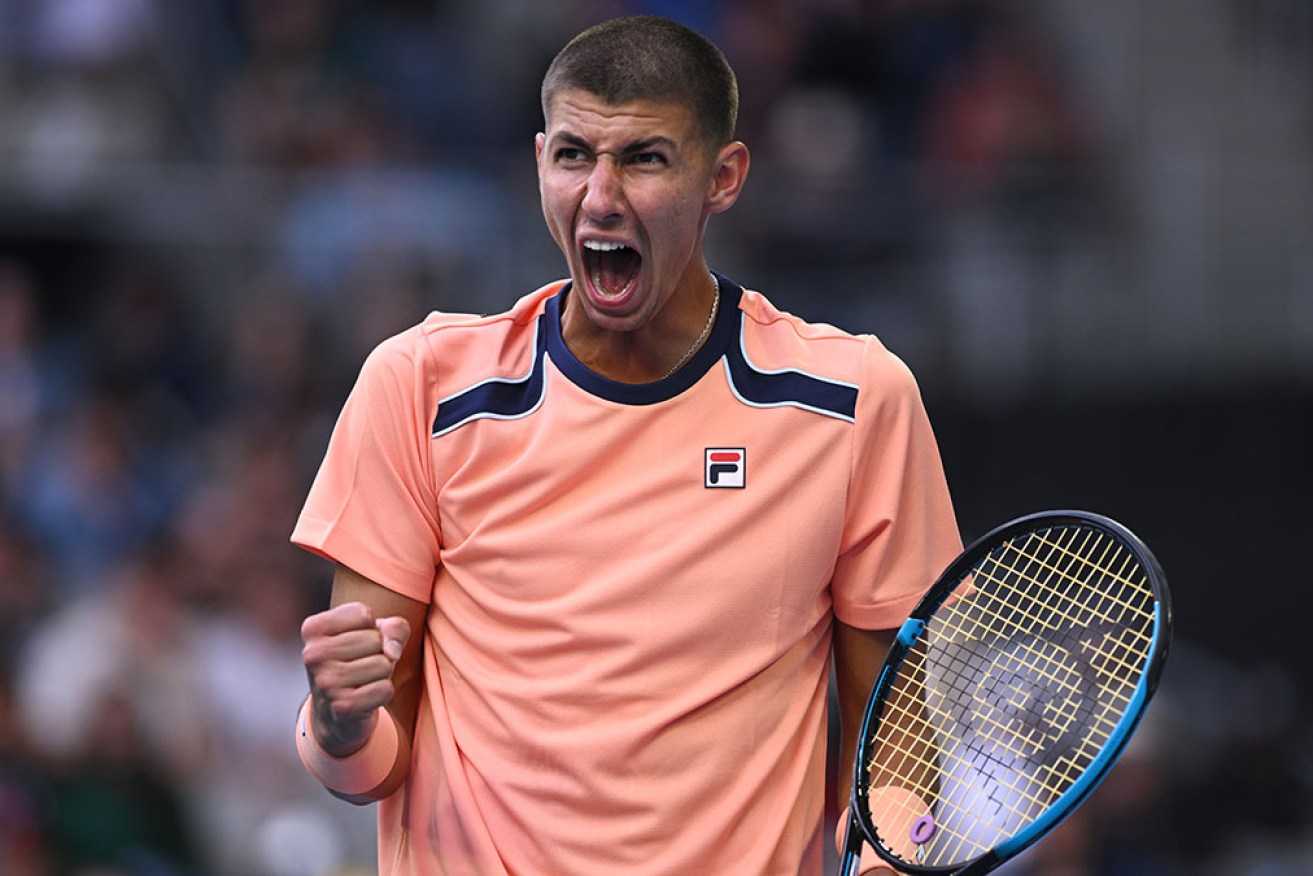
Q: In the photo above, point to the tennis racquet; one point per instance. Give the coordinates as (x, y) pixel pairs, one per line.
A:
(1008, 694)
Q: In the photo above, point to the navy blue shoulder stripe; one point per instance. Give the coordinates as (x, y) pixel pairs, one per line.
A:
(788, 388)
(497, 398)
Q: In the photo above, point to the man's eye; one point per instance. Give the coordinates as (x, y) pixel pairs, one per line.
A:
(570, 155)
(650, 159)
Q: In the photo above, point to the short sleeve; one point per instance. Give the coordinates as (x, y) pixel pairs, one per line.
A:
(373, 506)
(900, 530)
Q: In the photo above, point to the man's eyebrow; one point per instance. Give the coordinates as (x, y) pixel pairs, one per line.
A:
(648, 144)
(565, 138)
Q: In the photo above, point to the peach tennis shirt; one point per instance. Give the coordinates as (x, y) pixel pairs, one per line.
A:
(630, 588)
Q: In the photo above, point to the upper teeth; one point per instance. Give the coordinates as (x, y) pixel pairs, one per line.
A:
(603, 245)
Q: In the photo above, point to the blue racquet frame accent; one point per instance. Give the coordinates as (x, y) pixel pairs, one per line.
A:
(910, 631)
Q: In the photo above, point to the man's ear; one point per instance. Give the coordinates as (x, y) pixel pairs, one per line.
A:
(538, 141)
(728, 175)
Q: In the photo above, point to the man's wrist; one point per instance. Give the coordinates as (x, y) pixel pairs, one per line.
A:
(357, 773)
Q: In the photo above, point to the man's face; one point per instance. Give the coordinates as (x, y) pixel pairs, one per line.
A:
(626, 191)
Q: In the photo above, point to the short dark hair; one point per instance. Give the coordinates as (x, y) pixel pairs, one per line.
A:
(647, 57)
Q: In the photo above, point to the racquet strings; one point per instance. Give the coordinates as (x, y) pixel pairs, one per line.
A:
(1014, 688)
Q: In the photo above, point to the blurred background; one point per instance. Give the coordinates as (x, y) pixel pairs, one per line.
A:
(1085, 225)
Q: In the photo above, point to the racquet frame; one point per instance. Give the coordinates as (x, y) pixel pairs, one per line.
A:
(1067, 562)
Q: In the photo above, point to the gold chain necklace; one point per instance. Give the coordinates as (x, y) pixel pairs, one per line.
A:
(706, 330)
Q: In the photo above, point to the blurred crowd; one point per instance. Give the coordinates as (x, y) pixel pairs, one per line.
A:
(159, 426)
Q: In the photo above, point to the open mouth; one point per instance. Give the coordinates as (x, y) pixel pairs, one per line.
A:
(612, 267)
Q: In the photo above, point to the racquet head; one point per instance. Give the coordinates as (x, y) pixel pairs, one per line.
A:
(1008, 694)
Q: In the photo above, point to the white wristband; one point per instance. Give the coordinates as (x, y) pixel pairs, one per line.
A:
(357, 773)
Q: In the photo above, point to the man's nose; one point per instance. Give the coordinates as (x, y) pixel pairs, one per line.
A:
(604, 198)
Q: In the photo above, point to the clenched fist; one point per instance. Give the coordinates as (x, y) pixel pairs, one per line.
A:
(349, 656)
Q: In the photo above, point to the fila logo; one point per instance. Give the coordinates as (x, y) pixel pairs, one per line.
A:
(726, 468)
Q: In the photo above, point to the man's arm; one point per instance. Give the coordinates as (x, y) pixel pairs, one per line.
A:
(361, 654)
(858, 655)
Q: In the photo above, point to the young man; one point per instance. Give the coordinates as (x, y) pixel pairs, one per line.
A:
(594, 553)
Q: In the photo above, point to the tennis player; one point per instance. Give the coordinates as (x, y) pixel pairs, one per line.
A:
(596, 555)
